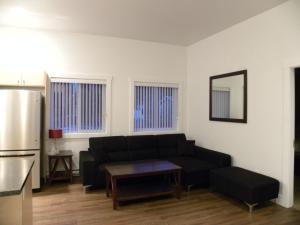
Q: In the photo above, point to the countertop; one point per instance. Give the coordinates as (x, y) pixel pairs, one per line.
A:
(13, 174)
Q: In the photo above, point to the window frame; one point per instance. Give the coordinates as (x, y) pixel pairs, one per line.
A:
(154, 83)
(92, 79)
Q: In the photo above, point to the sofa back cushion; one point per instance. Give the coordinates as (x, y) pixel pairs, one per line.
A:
(186, 148)
(142, 147)
(109, 149)
(168, 144)
(218, 158)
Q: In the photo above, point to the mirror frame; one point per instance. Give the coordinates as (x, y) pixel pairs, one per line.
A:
(236, 73)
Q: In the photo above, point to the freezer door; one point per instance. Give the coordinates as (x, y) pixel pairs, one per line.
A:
(20, 119)
(36, 166)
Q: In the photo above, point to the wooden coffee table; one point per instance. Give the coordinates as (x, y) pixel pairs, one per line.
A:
(138, 169)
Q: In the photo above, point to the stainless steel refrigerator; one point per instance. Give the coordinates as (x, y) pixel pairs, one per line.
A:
(20, 127)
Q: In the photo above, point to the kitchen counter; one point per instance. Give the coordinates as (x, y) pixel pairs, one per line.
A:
(14, 173)
(16, 190)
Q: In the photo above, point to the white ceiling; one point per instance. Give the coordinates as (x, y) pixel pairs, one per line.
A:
(181, 22)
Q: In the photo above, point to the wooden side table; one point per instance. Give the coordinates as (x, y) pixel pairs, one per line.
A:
(66, 158)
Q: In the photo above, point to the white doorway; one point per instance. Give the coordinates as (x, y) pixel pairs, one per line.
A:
(288, 156)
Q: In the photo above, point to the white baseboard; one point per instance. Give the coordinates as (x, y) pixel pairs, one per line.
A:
(282, 201)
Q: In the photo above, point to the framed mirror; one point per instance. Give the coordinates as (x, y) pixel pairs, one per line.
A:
(228, 97)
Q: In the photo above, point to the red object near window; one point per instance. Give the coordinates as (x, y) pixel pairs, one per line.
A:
(55, 133)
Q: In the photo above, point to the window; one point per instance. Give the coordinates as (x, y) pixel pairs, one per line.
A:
(155, 108)
(78, 106)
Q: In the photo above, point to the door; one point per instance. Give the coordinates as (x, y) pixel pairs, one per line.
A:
(20, 120)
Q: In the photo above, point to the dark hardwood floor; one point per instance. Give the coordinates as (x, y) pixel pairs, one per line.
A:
(68, 204)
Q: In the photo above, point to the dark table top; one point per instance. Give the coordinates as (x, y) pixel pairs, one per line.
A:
(141, 167)
(13, 174)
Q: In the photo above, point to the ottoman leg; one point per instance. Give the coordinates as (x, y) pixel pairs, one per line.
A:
(251, 206)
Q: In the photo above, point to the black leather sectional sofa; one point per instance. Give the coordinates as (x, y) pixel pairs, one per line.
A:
(196, 162)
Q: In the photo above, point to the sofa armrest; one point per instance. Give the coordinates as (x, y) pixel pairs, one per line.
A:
(87, 167)
(217, 158)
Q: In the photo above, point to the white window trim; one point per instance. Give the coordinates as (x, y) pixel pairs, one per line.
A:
(154, 83)
(89, 78)
(221, 89)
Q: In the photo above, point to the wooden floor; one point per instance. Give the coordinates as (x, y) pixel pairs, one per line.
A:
(65, 204)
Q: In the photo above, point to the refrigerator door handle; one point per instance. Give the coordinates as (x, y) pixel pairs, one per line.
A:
(17, 155)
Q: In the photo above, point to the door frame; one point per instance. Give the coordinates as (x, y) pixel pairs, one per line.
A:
(288, 132)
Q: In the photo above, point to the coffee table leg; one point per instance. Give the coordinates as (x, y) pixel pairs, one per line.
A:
(178, 184)
(107, 184)
(114, 192)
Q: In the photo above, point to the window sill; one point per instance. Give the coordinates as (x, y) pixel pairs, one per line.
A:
(84, 135)
(155, 132)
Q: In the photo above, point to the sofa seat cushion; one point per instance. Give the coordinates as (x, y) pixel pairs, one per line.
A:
(245, 185)
(195, 171)
(243, 177)
(142, 147)
(190, 164)
(118, 156)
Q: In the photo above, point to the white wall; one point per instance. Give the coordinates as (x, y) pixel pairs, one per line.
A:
(122, 59)
(262, 45)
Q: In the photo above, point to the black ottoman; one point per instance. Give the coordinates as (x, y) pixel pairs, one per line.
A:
(245, 185)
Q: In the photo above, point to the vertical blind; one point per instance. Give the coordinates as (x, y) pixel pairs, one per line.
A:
(155, 108)
(221, 104)
(77, 107)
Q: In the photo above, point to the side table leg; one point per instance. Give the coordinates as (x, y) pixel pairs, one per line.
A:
(53, 170)
(68, 167)
(50, 168)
